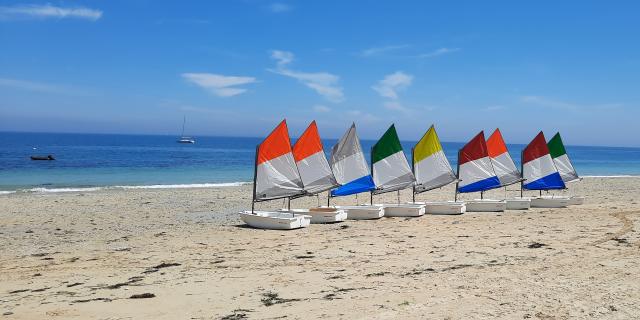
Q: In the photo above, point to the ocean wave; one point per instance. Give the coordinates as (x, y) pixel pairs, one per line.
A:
(6, 192)
(154, 186)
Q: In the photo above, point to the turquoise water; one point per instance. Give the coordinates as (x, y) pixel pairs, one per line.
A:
(98, 160)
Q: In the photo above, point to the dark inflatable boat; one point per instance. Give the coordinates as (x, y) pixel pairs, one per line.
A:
(47, 157)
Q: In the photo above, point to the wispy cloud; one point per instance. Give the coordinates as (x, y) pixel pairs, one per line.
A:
(279, 7)
(389, 87)
(557, 104)
(361, 116)
(321, 109)
(41, 87)
(381, 50)
(34, 11)
(392, 83)
(220, 85)
(324, 83)
(438, 52)
(495, 108)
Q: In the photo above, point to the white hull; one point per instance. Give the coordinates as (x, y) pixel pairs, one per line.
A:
(443, 207)
(403, 210)
(274, 220)
(486, 205)
(550, 202)
(576, 200)
(322, 215)
(518, 203)
(363, 212)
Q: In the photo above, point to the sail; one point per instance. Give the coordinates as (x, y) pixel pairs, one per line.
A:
(538, 169)
(391, 169)
(431, 167)
(349, 165)
(561, 159)
(312, 164)
(276, 172)
(475, 170)
(501, 160)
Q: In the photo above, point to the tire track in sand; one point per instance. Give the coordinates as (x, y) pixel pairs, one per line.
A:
(627, 226)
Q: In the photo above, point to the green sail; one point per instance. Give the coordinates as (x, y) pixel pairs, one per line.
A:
(556, 147)
(388, 144)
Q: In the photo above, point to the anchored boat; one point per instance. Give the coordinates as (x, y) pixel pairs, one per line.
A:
(352, 172)
(505, 169)
(391, 172)
(275, 177)
(540, 173)
(476, 173)
(432, 170)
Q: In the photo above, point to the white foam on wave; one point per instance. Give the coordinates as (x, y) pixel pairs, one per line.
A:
(154, 186)
(6, 192)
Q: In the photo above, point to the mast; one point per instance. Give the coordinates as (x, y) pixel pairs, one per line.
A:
(521, 171)
(255, 177)
(371, 192)
(184, 120)
(413, 170)
(455, 199)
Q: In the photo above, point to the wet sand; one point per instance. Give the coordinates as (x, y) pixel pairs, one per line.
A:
(184, 254)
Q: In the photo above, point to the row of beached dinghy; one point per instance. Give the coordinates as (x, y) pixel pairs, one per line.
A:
(286, 172)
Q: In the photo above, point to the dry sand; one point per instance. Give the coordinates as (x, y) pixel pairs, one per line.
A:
(84, 255)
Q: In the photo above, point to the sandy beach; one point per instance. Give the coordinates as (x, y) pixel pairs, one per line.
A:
(184, 254)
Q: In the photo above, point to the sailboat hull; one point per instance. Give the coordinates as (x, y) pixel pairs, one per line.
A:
(403, 210)
(363, 212)
(274, 220)
(486, 205)
(322, 214)
(443, 207)
(518, 203)
(550, 202)
(576, 200)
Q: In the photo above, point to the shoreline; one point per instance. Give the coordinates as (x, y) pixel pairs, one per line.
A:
(83, 255)
(211, 185)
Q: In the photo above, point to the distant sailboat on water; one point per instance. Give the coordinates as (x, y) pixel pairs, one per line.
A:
(183, 138)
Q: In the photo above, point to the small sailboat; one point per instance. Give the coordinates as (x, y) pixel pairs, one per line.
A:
(352, 172)
(275, 177)
(183, 138)
(540, 173)
(476, 173)
(505, 169)
(316, 175)
(564, 165)
(432, 170)
(391, 172)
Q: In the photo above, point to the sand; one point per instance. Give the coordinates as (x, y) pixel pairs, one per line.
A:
(184, 254)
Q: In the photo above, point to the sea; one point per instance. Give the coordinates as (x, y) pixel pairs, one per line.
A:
(86, 162)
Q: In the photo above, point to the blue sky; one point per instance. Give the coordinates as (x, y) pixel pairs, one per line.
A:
(238, 67)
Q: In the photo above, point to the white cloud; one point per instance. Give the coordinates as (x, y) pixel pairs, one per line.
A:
(220, 85)
(48, 11)
(380, 50)
(395, 106)
(362, 116)
(438, 52)
(321, 109)
(324, 83)
(279, 7)
(546, 102)
(392, 83)
(43, 87)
